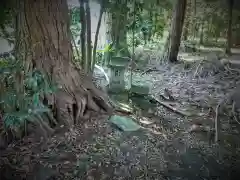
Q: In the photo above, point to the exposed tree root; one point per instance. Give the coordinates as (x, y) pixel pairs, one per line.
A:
(71, 107)
(81, 103)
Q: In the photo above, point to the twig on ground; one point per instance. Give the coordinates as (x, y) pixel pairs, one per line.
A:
(234, 114)
(216, 122)
(195, 73)
(231, 69)
(169, 94)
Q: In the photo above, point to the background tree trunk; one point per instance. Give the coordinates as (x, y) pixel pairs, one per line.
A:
(229, 30)
(176, 30)
(150, 29)
(89, 40)
(96, 38)
(201, 33)
(46, 34)
(187, 20)
(119, 29)
(83, 32)
(109, 37)
(193, 18)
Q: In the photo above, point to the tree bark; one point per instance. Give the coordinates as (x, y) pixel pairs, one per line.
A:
(83, 32)
(193, 18)
(151, 29)
(109, 37)
(89, 40)
(201, 33)
(229, 30)
(96, 37)
(45, 29)
(187, 20)
(185, 31)
(176, 30)
(119, 29)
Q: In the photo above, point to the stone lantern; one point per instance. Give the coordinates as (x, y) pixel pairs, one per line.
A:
(117, 67)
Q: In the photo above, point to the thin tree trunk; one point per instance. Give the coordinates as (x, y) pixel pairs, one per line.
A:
(96, 38)
(83, 32)
(119, 29)
(229, 30)
(89, 40)
(151, 29)
(201, 33)
(155, 24)
(109, 37)
(45, 29)
(176, 30)
(185, 31)
(194, 31)
(187, 20)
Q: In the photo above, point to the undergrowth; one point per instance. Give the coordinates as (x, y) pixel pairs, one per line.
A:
(21, 96)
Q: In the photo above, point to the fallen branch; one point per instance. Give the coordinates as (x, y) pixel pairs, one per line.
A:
(164, 98)
(149, 70)
(168, 105)
(199, 128)
(234, 113)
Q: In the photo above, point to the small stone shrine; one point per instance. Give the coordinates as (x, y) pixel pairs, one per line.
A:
(117, 66)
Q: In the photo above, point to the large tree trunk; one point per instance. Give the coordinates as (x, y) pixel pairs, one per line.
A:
(46, 34)
(176, 30)
(229, 30)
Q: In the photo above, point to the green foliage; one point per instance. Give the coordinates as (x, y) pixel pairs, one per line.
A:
(75, 21)
(6, 16)
(21, 102)
(99, 58)
(136, 40)
(6, 12)
(148, 19)
(107, 48)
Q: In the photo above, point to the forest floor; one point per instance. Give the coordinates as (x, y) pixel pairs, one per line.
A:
(163, 149)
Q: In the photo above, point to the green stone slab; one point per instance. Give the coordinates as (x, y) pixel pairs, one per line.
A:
(140, 89)
(124, 123)
(142, 103)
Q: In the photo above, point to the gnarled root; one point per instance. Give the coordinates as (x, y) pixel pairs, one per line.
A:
(71, 107)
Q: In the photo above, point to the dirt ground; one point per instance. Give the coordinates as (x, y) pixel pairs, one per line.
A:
(163, 149)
